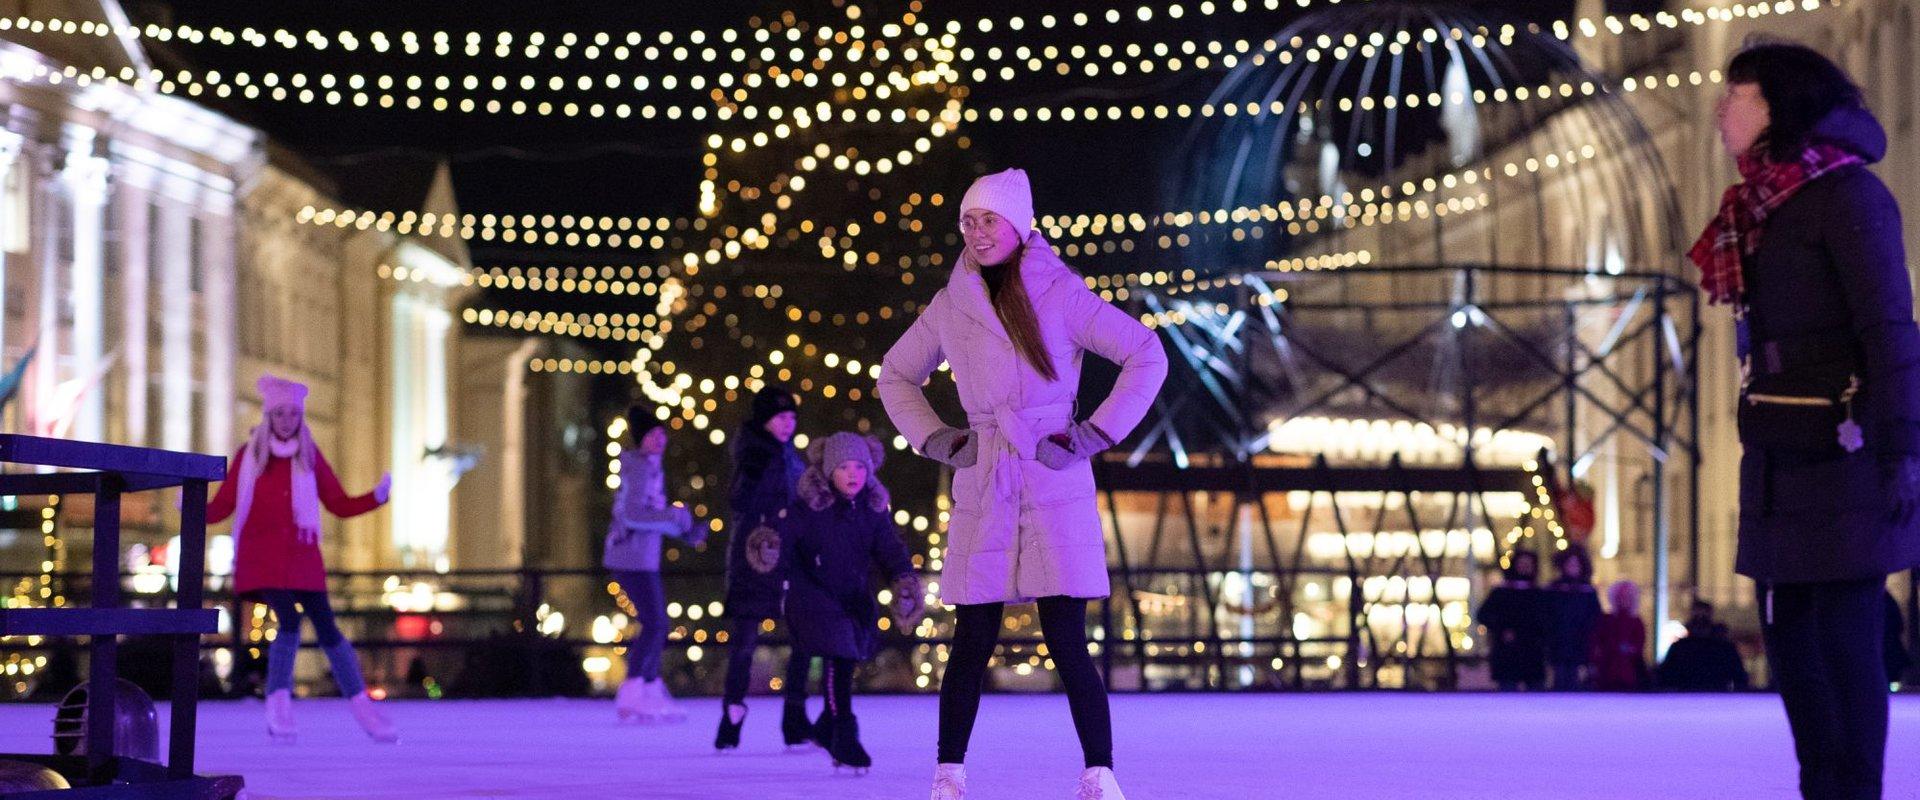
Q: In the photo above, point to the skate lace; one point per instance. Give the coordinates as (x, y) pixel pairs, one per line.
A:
(1089, 787)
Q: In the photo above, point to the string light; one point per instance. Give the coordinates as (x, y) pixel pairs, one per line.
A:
(733, 45)
(384, 93)
(1147, 57)
(595, 326)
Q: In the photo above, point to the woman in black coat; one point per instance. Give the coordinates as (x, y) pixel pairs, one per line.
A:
(1807, 250)
(1517, 615)
(833, 539)
(766, 468)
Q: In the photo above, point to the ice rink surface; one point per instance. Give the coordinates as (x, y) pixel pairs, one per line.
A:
(1168, 747)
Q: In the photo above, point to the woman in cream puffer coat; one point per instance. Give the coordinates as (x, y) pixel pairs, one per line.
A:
(1013, 324)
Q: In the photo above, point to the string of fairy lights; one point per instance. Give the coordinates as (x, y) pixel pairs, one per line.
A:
(735, 45)
(40, 591)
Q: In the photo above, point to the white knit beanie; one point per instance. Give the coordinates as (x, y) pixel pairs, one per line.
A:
(1005, 193)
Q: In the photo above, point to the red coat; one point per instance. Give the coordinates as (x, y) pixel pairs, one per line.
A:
(271, 554)
(1619, 653)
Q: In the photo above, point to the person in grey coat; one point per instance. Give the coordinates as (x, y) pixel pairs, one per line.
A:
(1807, 251)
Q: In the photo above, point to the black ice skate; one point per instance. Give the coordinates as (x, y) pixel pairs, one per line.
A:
(846, 749)
(729, 736)
(795, 727)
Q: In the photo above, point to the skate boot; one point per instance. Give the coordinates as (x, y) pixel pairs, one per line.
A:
(795, 727)
(731, 718)
(845, 748)
(631, 701)
(1097, 783)
(950, 782)
(821, 731)
(280, 717)
(376, 724)
(659, 705)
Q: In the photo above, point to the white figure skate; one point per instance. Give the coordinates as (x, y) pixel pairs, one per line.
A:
(1097, 783)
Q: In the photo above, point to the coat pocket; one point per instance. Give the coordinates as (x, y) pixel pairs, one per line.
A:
(1046, 487)
(1795, 483)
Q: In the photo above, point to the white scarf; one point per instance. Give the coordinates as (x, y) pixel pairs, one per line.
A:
(263, 446)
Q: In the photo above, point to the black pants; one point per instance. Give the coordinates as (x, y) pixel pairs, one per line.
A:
(976, 632)
(1824, 643)
(836, 682)
(743, 636)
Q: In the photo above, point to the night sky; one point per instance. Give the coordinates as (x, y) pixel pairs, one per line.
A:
(607, 166)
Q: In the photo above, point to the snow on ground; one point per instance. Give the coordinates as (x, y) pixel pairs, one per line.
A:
(1169, 747)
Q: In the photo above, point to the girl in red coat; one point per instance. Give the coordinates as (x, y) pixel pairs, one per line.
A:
(275, 488)
(1619, 646)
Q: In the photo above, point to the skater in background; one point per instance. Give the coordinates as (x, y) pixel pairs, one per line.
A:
(1619, 648)
(641, 517)
(1517, 615)
(834, 537)
(1807, 250)
(1014, 323)
(1704, 660)
(275, 489)
(765, 470)
(1575, 608)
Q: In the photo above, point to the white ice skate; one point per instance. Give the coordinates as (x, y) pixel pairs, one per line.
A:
(376, 724)
(1097, 783)
(949, 782)
(657, 703)
(631, 700)
(280, 726)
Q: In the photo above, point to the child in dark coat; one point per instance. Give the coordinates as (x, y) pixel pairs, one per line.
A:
(832, 539)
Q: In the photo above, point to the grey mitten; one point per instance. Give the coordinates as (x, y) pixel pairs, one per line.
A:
(953, 447)
(1081, 440)
(909, 607)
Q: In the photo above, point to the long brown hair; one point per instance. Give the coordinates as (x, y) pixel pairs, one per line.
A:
(1015, 310)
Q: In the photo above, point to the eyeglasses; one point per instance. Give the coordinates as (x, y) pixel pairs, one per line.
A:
(984, 222)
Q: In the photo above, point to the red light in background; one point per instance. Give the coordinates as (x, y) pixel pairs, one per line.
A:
(411, 626)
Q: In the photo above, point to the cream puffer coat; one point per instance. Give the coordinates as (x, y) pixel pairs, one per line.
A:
(1020, 530)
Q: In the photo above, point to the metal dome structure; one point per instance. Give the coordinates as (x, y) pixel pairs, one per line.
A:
(1441, 289)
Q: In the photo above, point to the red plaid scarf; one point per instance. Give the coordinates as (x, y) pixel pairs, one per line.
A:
(1734, 232)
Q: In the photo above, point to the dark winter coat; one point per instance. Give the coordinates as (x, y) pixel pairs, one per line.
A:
(1703, 662)
(833, 547)
(764, 475)
(1516, 620)
(1830, 279)
(1575, 609)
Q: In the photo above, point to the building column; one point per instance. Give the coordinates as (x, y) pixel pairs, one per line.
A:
(85, 178)
(43, 377)
(10, 146)
(220, 328)
(134, 212)
(176, 307)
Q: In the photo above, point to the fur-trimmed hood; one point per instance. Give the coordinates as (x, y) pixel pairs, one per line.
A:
(816, 484)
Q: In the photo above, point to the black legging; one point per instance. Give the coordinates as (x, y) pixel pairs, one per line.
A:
(836, 683)
(743, 637)
(976, 631)
(1824, 642)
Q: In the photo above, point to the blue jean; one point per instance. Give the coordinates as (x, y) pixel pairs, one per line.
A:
(289, 605)
(649, 599)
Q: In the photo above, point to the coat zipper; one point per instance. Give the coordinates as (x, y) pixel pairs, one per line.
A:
(1788, 400)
